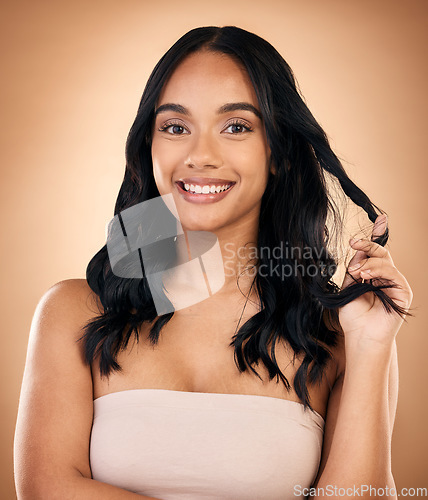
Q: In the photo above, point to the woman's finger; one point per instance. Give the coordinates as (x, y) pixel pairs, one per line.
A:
(365, 250)
(357, 270)
(372, 270)
(371, 248)
(379, 273)
(368, 263)
(359, 257)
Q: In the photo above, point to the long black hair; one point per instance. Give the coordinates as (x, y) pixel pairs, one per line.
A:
(295, 210)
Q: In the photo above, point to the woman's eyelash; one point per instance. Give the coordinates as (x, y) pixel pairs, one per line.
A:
(168, 125)
(235, 123)
(241, 124)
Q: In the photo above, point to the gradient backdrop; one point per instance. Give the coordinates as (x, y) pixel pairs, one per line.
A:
(73, 76)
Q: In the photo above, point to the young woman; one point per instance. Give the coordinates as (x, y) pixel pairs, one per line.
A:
(242, 393)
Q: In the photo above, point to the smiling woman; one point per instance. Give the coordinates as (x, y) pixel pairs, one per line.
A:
(213, 126)
(224, 135)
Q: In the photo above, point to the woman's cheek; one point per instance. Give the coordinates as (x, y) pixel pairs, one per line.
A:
(162, 169)
(160, 178)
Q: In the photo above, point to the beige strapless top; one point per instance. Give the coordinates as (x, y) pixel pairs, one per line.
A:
(176, 445)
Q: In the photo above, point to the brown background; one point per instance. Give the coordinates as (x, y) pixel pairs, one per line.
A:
(73, 76)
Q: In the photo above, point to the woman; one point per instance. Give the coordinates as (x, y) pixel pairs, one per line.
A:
(224, 139)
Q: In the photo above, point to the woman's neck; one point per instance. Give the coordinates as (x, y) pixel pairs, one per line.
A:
(224, 269)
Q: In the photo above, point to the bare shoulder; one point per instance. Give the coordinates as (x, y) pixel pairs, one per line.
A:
(56, 400)
(72, 297)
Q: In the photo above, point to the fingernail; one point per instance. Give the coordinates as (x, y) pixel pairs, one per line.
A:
(354, 240)
(382, 218)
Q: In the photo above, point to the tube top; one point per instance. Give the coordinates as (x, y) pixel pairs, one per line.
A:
(176, 445)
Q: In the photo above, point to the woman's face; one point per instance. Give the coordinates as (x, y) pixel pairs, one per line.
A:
(206, 136)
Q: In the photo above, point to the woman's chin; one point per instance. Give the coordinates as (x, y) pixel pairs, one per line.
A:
(201, 225)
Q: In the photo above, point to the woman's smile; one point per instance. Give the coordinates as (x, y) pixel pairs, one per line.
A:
(204, 190)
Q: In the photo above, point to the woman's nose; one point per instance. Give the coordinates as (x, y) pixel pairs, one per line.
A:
(204, 152)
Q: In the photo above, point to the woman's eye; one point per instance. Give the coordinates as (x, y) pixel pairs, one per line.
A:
(177, 129)
(239, 128)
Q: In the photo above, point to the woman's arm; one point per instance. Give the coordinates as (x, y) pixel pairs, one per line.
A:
(361, 409)
(359, 422)
(51, 448)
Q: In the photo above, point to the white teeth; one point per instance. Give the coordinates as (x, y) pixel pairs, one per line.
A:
(207, 189)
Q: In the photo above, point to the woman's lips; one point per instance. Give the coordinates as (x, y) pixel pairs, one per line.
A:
(200, 197)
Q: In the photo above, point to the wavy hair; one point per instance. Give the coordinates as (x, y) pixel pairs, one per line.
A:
(295, 210)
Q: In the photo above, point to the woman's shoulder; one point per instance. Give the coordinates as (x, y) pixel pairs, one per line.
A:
(70, 302)
(77, 291)
(71, 287)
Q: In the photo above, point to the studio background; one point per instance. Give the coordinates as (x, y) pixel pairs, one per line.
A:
(73, 74)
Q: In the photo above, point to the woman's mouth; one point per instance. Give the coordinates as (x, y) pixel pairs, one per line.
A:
(204, 193)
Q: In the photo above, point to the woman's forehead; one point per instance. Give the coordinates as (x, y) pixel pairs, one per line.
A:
(208, 74)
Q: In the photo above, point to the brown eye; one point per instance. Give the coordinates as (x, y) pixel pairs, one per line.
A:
(177, 129)
(239, 128)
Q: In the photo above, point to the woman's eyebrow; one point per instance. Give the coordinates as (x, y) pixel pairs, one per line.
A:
(226, 108)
